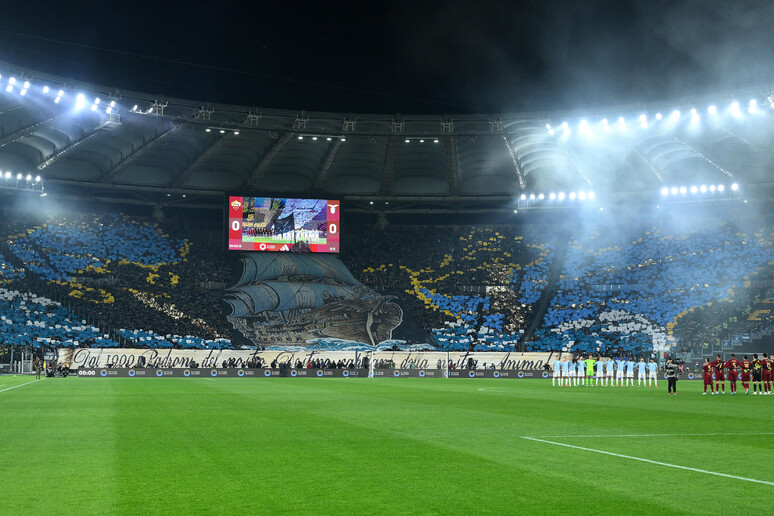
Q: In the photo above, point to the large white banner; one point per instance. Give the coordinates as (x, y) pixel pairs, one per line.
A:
(186, 358)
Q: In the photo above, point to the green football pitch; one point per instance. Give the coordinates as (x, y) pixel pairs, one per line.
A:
(469, 446)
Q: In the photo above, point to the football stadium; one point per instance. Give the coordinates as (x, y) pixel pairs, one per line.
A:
(211, 308)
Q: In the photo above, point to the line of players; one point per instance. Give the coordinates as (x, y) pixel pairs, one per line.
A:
(614, 372)
(759, 370)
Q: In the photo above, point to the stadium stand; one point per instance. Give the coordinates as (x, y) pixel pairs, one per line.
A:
(119, 272)
(473, 287)
(626, 292)
(30, 320)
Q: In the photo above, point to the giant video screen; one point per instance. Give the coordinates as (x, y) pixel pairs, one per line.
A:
(280, 224)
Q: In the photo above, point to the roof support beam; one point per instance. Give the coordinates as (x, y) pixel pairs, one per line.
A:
(452, 165)
(134, 156)
(275, 149)
(202, 159)
(388, 170)
(330, 157)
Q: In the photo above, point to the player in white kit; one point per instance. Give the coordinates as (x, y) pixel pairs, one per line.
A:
(609, 371)
(557, 367)
(641, 372)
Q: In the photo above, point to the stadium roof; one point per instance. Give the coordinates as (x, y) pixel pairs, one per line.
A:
(87, 139)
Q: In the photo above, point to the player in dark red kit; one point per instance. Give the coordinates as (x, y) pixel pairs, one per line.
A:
(733, 372)
(717, 369)
(706, 368)
(756, 376)
(766, 366)
(746, 370)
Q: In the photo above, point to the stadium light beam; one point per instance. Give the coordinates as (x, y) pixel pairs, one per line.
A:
(736, 112)
(721, 188)
(712, 110)
(735, 187)
(665, 191)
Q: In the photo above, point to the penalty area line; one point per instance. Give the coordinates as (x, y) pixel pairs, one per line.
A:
(20, 385)
(640, 459)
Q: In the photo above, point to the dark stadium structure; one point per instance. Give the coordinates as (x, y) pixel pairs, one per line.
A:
(631, 230)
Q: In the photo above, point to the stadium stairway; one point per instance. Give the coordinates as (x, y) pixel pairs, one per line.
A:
(554, 273)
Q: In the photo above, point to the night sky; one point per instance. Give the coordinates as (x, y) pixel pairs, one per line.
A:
(407, 57)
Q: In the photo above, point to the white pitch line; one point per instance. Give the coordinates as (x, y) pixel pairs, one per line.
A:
(653, 461)
(650, 435)
(20, 385)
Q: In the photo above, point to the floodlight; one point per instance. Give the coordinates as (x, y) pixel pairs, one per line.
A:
(735, 111)
(96, 101)
(9, 88)
(23, 92)
(80, 101)
(683, 190)
(572, 196)
(56, 100)
(300, 137)
(665, 191)
(532, 197)
(109, 110)
(93, 107)
(582, 195)
(134, 108)
(735, 187)
(435, 141)
(18, 176)
(693, 111)
(753, 106)
(236, 133)
(37, 179)
(329, 138)
(712, 110)
(8, 175)
(27, 85)
(343, 139)
(29, 177)
(552, 196)
(694, 189)
(61, 94)
(676, 113)
(523, 197)
(222, 131)
(565, 125)
(673, 190)
(208, 130)
(561, 196)
(584, 126)
(314, 138)
(421, 141)
(517, 211)
(407, 140)
(541, 197)
(621, 120)
(112, 103)
(12, 81)
(548, 126)
(45, 89)
(643, 118)
(712, 188)
(703, 188)
(551, 132)
(592, 195)
(659, 116)
(721, 188)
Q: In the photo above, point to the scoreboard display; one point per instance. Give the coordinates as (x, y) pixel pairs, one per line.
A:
(282, 224)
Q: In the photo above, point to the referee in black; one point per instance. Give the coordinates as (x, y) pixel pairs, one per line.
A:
(671, 370)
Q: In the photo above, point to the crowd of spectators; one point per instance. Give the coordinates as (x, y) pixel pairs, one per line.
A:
(625, 291)
(9, 273)
(30, 320)
(120, 272)
(473, 287)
